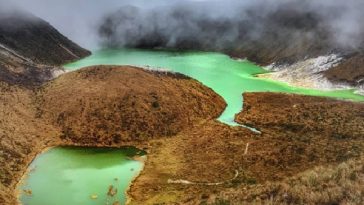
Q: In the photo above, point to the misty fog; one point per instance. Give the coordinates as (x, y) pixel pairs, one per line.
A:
(209, 24)
(221, 25)
(76, 19)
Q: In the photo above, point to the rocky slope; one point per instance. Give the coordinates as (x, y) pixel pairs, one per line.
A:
(350, 71)
(30, 48)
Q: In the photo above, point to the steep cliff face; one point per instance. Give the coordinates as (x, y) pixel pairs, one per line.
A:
(30, 48)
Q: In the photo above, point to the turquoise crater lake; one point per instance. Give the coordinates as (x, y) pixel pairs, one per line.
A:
(84, 175)
(228, 77)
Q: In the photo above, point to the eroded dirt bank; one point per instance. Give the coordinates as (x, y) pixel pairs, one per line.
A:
(99, 106)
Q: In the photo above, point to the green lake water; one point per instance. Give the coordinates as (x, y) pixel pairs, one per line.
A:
(69, 176)
(72, 176)
(226, 76)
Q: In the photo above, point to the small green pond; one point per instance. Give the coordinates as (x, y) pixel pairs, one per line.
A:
(70, 176)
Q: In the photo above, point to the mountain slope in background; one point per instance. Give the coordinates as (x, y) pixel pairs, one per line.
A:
(277, 34)
(31, 48)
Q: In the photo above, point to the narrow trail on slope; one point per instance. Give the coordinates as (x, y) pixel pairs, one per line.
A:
(187, 182)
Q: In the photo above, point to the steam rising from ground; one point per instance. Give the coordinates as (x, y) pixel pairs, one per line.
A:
(225, 25)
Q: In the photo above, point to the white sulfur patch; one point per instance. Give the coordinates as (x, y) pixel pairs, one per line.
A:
(157, 69)
(308, 73)
(323, 63)
(311, 65)
(57, 72)
(360, 90)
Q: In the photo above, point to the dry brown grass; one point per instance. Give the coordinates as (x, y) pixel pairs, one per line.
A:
(329, 185)
(282, 165)
(334, 184)
(106, 104)
(21, 136)
(293, 161)
(103, 106)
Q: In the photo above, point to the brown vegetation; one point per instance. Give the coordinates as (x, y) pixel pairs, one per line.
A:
(22, 136)
(100, 106)
(310, 150)
(108, 105)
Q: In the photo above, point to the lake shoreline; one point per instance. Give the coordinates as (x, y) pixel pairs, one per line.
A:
(25, 177)
(65, 122)
(31, 126)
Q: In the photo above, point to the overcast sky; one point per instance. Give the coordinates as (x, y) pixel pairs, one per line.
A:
(73, 18)
(77, 18)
